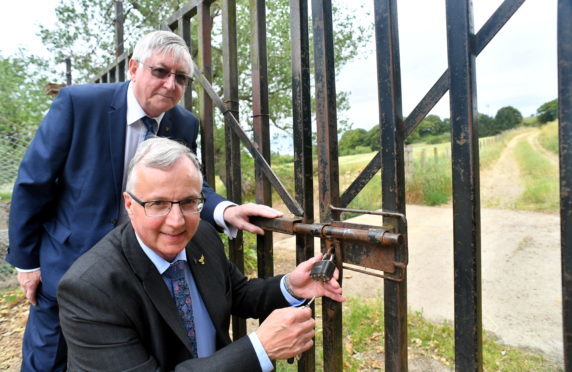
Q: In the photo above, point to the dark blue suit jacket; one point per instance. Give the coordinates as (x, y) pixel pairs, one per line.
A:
(68, 191)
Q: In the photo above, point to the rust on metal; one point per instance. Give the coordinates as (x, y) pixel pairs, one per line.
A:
(372, 247)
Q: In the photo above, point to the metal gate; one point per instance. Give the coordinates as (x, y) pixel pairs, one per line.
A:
(383, 249)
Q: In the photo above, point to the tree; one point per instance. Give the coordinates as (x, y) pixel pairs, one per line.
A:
(432, 125)
(373, 137)
(23, 101)
(507, 118)
(487, 126)
(85, 31)
(548, 111)
(351, 139)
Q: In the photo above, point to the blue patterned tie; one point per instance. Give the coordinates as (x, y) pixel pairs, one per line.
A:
(182, 295)
(150, 125)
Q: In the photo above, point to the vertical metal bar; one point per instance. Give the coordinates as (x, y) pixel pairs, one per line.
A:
(393, 174)
(328, 170)
(261, 126)
(565, 141)
(119, 39)
(205, 103)
(184, 26)
(233, 176)
(68, 71)
(302, 128)
(119, 21)
(466, 198)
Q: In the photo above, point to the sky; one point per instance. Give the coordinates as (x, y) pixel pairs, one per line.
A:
(517, 68)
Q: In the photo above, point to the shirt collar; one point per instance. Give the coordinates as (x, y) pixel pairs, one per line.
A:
(134, 110)
(160, 263)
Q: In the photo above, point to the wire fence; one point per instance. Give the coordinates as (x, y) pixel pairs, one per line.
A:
(12, 149)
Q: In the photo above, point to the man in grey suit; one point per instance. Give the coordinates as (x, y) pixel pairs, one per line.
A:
(118, 302)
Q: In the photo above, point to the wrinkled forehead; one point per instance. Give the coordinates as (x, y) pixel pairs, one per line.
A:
(171, 59)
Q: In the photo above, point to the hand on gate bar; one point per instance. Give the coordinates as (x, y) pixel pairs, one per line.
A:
(237, 216)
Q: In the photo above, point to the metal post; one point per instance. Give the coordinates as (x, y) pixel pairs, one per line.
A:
(302, 128)
(119, 42)
(466, 198)
(565, 140)
(68, 71)
(233, 172)
(328, 169)
(261, 125)
(393, 175)
(205, 103)
(184, 26)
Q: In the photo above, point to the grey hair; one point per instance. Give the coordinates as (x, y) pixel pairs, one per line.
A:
(162, 42)
(159, 153)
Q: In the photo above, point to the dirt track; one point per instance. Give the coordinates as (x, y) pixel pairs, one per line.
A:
(521, 273)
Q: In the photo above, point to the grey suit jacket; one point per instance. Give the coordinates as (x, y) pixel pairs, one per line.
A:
(117, 314)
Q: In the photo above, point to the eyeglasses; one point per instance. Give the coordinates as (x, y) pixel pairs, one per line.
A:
(161, 73)
(161, 208)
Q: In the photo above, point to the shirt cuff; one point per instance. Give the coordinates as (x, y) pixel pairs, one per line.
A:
(26, 270)
(265, 362)
(293, 301)
(218, 216)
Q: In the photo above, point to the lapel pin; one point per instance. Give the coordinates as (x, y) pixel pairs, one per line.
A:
(202, 260)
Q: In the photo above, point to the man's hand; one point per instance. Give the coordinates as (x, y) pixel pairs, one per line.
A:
(287, 332)
(29, 281)
(303, 286)
(237, 215)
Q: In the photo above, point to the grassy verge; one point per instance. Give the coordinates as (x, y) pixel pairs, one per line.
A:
(430, 182)
(363, 344)
(540, 177)
(549, 137)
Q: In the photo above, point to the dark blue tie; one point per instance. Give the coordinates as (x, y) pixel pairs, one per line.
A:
(182, 295)
(150, 125)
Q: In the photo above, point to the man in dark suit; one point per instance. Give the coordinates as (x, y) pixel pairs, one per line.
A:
(68, 193)
(117, 309)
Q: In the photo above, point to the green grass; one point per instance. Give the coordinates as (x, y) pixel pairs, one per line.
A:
(540, 176)
(363, 342)
(549, 137)
(430, 183)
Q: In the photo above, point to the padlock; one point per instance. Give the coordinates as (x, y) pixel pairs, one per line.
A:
(323, 270)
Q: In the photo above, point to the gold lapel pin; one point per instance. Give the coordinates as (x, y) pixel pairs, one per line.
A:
(202, 260)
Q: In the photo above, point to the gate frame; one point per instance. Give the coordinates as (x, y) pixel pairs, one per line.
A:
(463, 47)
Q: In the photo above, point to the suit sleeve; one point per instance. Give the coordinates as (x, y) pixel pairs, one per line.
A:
(36, 187)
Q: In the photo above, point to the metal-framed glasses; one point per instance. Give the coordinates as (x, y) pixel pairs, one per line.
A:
(162, 73)
(161, 208)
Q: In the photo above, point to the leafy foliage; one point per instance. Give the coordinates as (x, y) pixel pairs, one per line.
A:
(352, 139)
(23, 101)
(548, 111)
(507, 118)
(487, 126)
(85, 30)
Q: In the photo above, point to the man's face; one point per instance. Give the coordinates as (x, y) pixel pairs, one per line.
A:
(157, 95)
(167, 235)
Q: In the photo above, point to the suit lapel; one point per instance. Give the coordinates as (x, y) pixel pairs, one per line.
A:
(116, 127)
(166, 127)
(153, 284)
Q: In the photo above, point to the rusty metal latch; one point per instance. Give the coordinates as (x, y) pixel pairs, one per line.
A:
(374, 250)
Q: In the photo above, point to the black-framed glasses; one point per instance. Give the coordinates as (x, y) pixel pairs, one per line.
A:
(161, 208)
(162, 73)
